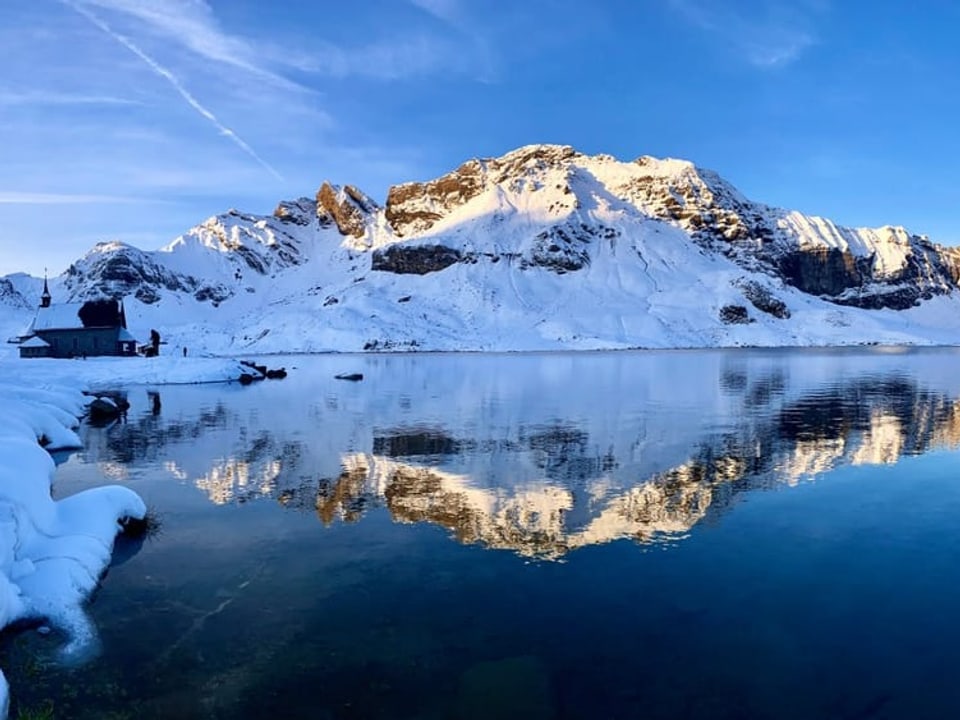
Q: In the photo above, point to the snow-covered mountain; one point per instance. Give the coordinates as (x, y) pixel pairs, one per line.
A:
(543, 248)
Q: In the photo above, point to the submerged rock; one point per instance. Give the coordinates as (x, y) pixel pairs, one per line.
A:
(106, 407)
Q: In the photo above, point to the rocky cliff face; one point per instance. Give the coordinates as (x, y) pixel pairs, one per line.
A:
(211, 262)
(347, 207)
(115, 270)
(10, 297)
(848, 279)
(884, 268)
(583, 251)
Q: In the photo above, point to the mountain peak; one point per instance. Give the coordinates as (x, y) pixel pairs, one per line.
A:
(346, 206)
(543, 152)
(541, 247)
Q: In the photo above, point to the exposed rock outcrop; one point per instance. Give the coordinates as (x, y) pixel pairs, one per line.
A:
(415, 207)
(414, 259)
(763, 299)
(115, 270)
(347, 207)
(633, 234)
(297, 212)
(10, 296)
(735, 315)
(560, 249)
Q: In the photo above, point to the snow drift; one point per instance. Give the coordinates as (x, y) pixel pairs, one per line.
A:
(52, 553)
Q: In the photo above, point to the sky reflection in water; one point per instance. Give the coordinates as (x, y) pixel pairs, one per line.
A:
(324, 550)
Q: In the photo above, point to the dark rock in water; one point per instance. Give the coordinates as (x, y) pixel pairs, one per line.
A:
(246, 378)
(277, 374)
(353, 377)
(118, 397)
(259, 371)
(139, 527)
(104, 409)
(262, 369)
(107, 406)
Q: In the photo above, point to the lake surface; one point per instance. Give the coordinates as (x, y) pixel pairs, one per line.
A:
(723, 534)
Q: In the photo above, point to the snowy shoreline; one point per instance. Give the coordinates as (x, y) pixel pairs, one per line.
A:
(594, 350)
(53, 553)
(100, 372)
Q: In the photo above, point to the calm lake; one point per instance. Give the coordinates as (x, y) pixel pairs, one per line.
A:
(723, 534)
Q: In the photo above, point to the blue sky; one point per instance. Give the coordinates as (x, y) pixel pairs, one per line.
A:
(136, 119)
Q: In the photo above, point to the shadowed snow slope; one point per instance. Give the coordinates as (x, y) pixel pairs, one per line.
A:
(542, 248)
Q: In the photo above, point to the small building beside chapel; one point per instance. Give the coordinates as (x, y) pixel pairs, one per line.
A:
(66, 330)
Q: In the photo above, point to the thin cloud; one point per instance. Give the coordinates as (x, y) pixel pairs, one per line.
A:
(55, 98)
(769, 36)
(176, 84)
(418, 55)
(455, 14)
(192, 23)
(14, 197)
(450, 11)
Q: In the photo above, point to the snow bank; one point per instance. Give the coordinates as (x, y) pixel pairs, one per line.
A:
(113, 372)
(52, 553)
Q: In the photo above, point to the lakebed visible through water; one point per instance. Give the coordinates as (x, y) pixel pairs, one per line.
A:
(715, 534)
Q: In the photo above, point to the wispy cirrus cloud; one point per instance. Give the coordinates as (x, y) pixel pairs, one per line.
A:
(16, 197)
(91, 124)
(457, 14)
(193, 25)
(418, 55)
(40, 97)
(450, 11)
(172, 79)
(766, 33)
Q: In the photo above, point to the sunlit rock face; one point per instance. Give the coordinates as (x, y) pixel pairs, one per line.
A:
(349, 208)
(540, 237)
(415, 207)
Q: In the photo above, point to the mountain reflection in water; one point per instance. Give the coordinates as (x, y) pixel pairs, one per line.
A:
(568, 452)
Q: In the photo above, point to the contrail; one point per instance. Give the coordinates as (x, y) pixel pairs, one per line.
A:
(172, 79)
